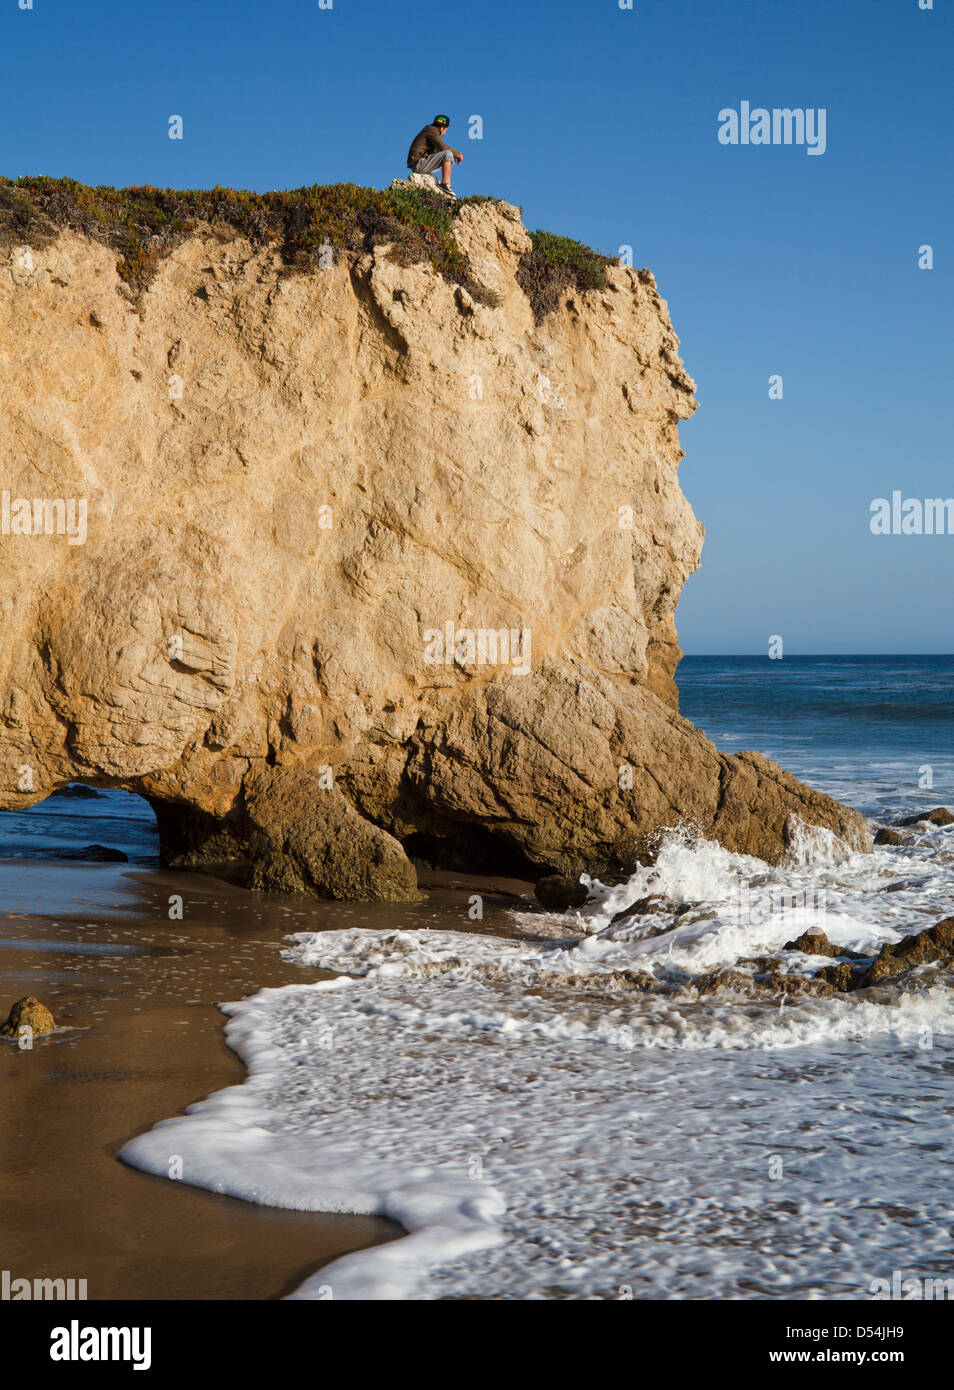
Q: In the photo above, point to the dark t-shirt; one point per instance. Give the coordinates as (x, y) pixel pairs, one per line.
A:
(425, 142)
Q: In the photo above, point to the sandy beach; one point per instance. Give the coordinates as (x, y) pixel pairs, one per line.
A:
(140, 1039)
(137, 995)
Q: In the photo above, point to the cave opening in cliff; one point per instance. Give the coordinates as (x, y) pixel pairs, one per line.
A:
(82, 823)
(472, 850)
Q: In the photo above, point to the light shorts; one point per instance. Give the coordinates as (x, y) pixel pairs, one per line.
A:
(431, 162)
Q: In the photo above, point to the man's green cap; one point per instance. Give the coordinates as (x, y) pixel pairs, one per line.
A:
(441, 120)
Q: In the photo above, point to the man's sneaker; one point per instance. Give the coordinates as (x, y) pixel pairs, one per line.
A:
(449, 192)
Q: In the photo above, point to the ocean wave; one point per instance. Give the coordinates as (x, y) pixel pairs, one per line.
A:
(562, 1113)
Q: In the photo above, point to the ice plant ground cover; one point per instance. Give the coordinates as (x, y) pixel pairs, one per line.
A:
(309, 225)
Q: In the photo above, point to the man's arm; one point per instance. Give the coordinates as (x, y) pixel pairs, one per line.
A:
(437, 143)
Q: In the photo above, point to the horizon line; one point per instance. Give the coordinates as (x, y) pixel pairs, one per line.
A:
(788, 657)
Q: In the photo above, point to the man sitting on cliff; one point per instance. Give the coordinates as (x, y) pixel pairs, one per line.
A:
(428, 153)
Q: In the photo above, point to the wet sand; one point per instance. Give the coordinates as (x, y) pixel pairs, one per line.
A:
(138, 993)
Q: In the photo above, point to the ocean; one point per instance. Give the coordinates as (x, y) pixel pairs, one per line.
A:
(541, 1125)
(869, 730)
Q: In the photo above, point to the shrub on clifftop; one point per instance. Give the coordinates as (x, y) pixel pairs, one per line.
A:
(143, 224)
(556, 264)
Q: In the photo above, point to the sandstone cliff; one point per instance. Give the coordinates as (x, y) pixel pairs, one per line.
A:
(294, 485)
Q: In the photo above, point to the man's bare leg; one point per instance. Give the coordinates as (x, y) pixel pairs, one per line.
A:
(446, 167)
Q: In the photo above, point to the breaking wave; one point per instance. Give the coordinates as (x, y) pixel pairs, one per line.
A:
(611, 1101)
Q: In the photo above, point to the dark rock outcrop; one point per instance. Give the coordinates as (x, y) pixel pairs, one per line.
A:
(559, 894)
(939, 816)
(932, 944)
(304, 839)
(95, 854)
(812, 943)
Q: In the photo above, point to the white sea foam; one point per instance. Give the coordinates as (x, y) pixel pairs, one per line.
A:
(541, 1128)
(814, 844)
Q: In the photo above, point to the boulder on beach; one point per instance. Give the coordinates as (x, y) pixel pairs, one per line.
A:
(939, 816)
(841, 977)
(812, 943)
(768, 984)
(98, 854)
(654, 902)
(29, 1013)
(724, 981)
(77, 791)
(886, 836)
(932, 944)
(559, 894)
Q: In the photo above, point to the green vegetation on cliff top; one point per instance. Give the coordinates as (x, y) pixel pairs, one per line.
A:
(144, 224)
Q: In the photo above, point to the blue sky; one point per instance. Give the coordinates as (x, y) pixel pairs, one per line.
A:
(602, 123)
